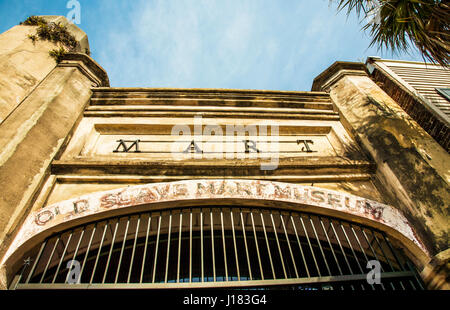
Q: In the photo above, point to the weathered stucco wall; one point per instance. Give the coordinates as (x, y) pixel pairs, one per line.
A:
(288, 196)
(411, 166)
(88, 163)
(37, 126)
(24, 63)
(59, 142)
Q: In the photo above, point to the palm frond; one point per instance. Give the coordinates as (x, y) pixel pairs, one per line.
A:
(423, 23)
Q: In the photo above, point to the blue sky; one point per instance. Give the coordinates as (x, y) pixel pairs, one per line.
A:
(242, 44)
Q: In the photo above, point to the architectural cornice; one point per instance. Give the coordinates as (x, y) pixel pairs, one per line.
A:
(87, 66)
(335, 72)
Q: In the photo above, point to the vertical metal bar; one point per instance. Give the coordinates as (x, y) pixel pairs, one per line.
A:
(412, 284)
(411, 268)
(145, 246)
(340, 246)
(212, 245)
(310, 246)
(88, 249)
(110, 250)
(351, 247)
(353, 252)
(396, 257)
(224, 245)
(168, 247)
(375, 255)
(359, 243)
(257, 247)
(98, 253)
(190, 246)
(267, 244)
(342, 249)
(320, 246)
(300, 246)
(156, 249)
(246, 248)
(289, 245)
(62, 257)
(17, 278)
(201, 246)
(75, 254)
(370, 246)
(134, 248)
(331, 246)
(179, 246)
(38, 257)
(360, 246)
(278, 243)
(79, 242)
(234, 242)
(393, 252)
(125, 235)
(385, 256)
(381, 249)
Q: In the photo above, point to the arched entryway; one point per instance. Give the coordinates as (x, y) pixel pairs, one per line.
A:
(215, 233)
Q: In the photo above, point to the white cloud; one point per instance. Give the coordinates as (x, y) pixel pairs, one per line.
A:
(228, 44)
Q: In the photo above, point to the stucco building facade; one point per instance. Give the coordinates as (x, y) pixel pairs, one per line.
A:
(157, 187)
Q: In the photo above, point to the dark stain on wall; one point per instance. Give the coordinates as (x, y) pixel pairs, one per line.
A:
(433, 126)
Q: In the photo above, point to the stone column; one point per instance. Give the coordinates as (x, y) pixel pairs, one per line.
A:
(36, 129)
(412, 167)
(24, 63)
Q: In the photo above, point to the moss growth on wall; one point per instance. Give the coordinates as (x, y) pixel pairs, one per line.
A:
(53, 32)
(33, 21)
(58, 54)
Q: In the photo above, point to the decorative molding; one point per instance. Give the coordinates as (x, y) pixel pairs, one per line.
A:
(335, 72)
(88, 66)
(312, 199)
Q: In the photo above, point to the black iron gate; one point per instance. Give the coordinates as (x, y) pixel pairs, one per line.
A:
(218, 247)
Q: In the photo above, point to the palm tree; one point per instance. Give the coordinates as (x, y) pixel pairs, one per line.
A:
(398, 23)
